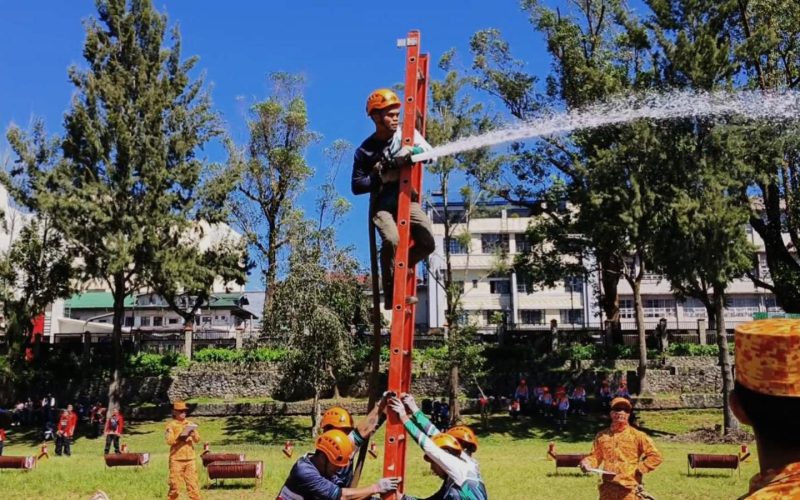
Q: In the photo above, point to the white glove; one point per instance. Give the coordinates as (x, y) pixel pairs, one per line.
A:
(408, 400)
(397, 406)
(386, 484)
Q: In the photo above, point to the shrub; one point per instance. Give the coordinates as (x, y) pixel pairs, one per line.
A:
(147, 364)
(218, 355)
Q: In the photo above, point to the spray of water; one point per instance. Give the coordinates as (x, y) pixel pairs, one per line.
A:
(679, 104)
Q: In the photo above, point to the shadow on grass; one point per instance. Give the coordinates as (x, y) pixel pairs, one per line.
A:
(578, 429)
(266, 430)
(701, 475)
(239, 485)
(565, 474)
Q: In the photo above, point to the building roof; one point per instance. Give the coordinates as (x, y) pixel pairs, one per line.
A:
(95, 300)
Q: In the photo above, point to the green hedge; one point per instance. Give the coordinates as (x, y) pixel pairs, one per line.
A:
(223, 355)
(586, 352)
(147, 364)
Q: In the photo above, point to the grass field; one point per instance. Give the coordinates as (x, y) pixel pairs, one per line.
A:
(511, 456)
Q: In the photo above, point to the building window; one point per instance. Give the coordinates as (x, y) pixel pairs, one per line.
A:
(573, 284)
(739, 307)
(173, 321)
(206, 319)
(626, 308)
(771, 304)
(531, 317)
(144, 321)
(495, 317)
(128, 320)
(494, 242)
(499, 287)
(572, 316)
(522, 242)
(457, 247)
(693, 308)
(518, 212)
(523, 287)
(463, 318)
(474, 283)
(158, 321)
(659, 308)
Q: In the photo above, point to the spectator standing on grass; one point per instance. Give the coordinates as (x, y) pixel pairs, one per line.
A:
(65, 431)
(562, 406)
(622, 391)
(605, 394)
(766, 396)
(2, 440)
(113, 430)
(444, 415)
(522, 393)
(578, 399)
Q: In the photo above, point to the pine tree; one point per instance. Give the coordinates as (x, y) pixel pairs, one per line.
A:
(125, 186)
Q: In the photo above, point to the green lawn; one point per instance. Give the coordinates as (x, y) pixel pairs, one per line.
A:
(512, 457)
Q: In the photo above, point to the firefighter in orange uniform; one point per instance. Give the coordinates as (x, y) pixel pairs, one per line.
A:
(181, 436)
(624, 452)
(766, 396)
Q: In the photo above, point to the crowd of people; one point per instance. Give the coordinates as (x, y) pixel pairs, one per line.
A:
(557, 401)
(60, 425)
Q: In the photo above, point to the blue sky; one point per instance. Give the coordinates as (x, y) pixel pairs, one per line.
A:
(345, 49)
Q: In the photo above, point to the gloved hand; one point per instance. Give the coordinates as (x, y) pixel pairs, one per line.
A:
(403, 157)
(386, 484)
(397, 406)
(390, 175)
(408, 400)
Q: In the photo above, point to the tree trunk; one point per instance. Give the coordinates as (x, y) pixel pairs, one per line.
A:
(188, 338)
(116, 340)
(315, 415)
(636, 285)
(730, 423)
(455, 411)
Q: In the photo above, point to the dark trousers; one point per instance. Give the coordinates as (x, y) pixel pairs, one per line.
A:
(1, 448)
(63, 444)
(112, 438)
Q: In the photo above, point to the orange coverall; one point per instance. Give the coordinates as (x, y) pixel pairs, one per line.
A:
(776, 484)
(181, 460)
(627, 452)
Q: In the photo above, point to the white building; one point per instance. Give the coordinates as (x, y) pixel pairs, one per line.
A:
(490, 300)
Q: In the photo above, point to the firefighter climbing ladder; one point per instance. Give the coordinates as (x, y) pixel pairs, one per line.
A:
(405, 278)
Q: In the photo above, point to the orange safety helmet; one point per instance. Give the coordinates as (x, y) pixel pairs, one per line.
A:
(466, 437)
(337, 417)
(381, 99)
(336, 446)
(447, 442)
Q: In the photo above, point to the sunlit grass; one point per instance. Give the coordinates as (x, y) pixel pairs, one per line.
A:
(512, 457)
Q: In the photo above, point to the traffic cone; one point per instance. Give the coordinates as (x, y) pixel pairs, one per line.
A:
(43, 452)
(288, 449)
(206, 449)
(124, 448)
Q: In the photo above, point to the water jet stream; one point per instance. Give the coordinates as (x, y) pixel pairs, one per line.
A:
(754, 105)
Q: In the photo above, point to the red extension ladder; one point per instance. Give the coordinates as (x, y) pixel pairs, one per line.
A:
(405, 279)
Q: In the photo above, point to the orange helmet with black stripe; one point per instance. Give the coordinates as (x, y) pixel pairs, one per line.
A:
(337, 417)
(466, 437)
(336, 446)
(381, 99)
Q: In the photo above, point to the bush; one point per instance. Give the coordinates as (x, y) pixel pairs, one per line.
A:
(681, 349)
(223, 355)
(146, 364)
